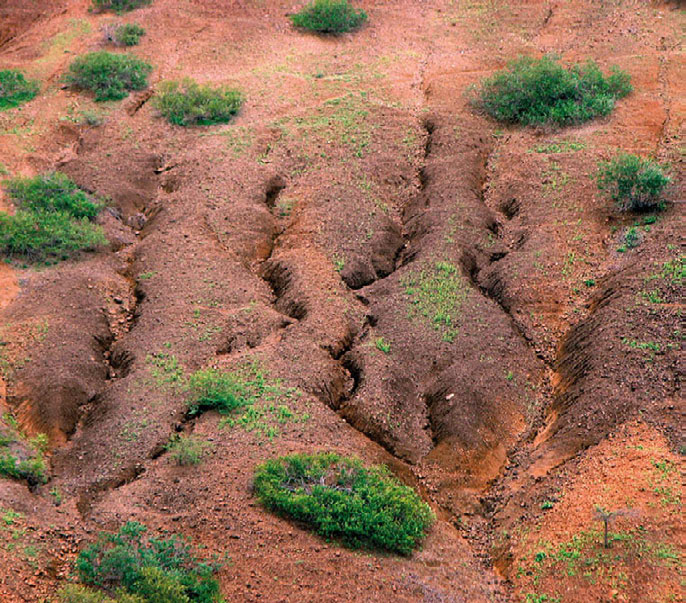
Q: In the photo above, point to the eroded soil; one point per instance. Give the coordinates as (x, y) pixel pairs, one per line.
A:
(296, 238)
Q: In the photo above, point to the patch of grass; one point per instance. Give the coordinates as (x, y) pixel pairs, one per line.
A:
(329, 17)
(543, 92)
(22, 458)
(119, 6)
(165, 370)
(15, 89)
(187, 450)
(633, 182)
(563, 146)
(129, 34)
(382, 345)
(340, 498)
(53, 220)
(188, 103)
(109, 76)
(139, 567)
(437, 293)
(211, 389)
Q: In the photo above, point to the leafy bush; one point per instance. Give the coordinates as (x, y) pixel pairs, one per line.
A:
(31, 468)
(110, 76)
(128, 35)
(119, 6)
(53, 219)
(339, 498)
(187, 450)
(329, 16)
(188, 103)
(15, 89)
(211, 389)
(145, 569)
(633, 183)
(541, 91)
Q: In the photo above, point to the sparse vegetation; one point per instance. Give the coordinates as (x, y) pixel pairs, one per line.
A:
(119, 6)
(15, 89)
(633, 182)
(136, 567)
(329, 17)
(109, 76)
(53, 219)
(129, 34)
(542, 91)
(22, 458)
(340, 498)
(188, 103)
(187, 450)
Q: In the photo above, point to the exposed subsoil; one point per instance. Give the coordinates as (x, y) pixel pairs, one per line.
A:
(291, 238)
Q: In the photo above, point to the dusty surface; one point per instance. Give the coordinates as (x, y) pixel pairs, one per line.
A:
(295, 237)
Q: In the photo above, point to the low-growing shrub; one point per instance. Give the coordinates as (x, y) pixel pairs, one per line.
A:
(633, 182)
(22, 458)
(340, 498)
(53, 219)
(110, 76)
(211, 389)
(187, 450)
(143, 568)
(15, 89)
(542, 91)
(188, 103)
(329, 16)
(125, 35)
(119, 6)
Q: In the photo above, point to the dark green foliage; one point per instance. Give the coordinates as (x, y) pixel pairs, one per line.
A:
(154, 570)
(541, 91)
(110, 76)
(188, 103)
(53, 219)
(119, 6)
(129, 34)
(329, 16)
(211, 389)
(633, 183)
(340, 498)
(15, 89)
(52, 192)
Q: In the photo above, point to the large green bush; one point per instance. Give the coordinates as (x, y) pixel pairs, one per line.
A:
(340, 498)
(633, 182)
(542, 91)
(188, 103)
(329, 16)
(119, 6)
(15, 89)
(53, 219)
(110, 76)
(134, 566)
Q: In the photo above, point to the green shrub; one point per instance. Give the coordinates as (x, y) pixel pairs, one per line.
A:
(329, 16)
(632, 182)
(110, 76)
(15, 89)
(151, 569)
(53, 219)
(32, 468)
(119, 6)
(541, 91)
(340, 498)
(188, 103)
(187, 450)
(129, 34)
(211, 389)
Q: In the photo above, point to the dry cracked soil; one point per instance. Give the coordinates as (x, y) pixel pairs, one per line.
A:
(356, 194)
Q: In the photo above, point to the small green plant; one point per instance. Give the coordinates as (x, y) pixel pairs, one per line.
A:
(211, 389)
(329, 17)
(547, 504)
(15, 89)
(24, 461)
(340, 498)
(53, 219)
(187, 450)
(188, 103)
(633, 182)
(143, 567)
(542, 91)
(119, 6)
(129, 34)
(109, 76)
(382, 345)
(632, 238)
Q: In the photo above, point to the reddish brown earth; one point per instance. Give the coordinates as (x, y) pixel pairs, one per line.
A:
(290, 236)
